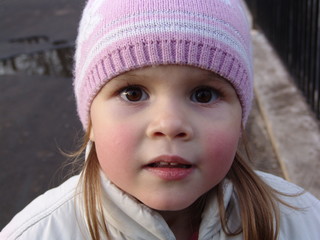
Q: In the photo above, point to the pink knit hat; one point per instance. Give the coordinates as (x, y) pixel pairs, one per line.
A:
(116, 36)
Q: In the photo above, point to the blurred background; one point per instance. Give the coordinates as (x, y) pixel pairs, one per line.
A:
(38, 119)
(37, 106)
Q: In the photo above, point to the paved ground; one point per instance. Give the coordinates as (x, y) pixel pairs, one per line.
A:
(30, 25)
(38, 111)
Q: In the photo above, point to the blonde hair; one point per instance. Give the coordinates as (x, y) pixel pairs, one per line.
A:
(258, 221)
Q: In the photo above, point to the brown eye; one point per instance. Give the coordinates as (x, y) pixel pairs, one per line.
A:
(205, 95)
(133, 94)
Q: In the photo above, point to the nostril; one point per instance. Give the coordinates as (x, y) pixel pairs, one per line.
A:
(158, 134)
(181, 135)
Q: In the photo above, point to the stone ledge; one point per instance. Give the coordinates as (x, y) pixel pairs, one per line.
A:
(292, 127)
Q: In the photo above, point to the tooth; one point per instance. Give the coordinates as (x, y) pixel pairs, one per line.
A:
(174, 164)
(163, 164)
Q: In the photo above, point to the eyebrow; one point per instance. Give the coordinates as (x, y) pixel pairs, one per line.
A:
(216, 77)
(212, 76)
(131, 75)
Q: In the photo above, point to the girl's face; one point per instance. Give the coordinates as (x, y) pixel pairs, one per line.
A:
(167, 134)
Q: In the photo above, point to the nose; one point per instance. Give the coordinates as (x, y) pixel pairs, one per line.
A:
(171, 123)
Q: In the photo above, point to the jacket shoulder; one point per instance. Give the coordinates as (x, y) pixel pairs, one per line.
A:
(48, 214)
(302, 219)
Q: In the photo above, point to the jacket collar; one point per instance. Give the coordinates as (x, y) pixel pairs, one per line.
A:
(128, 218)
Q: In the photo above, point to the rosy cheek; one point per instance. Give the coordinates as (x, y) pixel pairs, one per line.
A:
(221, 147)
(114, 146)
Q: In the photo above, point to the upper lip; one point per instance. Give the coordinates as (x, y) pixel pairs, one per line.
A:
(169, 159)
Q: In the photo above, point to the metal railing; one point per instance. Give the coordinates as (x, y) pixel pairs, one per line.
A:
(293, 28)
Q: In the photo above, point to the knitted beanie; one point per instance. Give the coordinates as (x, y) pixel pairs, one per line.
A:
(116, 36)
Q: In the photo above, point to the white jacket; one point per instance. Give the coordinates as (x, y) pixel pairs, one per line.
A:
(57, 215)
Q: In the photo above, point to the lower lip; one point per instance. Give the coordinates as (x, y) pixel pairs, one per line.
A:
(171, 174)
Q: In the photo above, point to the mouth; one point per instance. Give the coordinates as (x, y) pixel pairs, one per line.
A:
(169, 165)
(169, 162)
(170, 168)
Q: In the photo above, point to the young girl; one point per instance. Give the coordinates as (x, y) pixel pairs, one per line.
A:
(163, 90)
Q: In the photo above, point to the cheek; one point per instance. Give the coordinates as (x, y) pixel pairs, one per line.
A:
(114, 146)
(221, 147)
